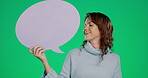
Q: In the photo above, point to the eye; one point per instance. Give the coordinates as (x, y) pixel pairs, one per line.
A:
(90, 25)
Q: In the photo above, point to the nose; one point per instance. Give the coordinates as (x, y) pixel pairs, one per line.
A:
(85, 28)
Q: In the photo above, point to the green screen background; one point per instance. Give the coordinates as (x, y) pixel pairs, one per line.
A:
(130, 21)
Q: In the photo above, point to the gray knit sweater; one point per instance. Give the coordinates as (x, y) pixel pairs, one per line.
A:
(86, 63)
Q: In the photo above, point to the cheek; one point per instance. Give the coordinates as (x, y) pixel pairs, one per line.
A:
(96, 32)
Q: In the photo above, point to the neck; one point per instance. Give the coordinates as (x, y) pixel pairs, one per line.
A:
(95, 44)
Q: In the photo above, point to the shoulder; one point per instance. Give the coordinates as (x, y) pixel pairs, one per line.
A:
(75, 51)
(113, 56)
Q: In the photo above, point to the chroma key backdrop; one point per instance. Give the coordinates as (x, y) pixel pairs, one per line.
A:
(129, 19)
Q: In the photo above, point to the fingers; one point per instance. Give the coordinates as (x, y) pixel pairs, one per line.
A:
(36, 50)
(41, 51)
(31, 49)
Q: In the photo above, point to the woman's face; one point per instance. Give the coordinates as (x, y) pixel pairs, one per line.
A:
(91, 30)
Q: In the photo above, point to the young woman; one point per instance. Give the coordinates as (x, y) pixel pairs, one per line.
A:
(94, 59)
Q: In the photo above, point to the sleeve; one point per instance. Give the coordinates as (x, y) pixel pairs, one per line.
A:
(65, 73)
(118, 73)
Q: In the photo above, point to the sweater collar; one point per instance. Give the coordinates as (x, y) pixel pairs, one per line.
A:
(92, 50)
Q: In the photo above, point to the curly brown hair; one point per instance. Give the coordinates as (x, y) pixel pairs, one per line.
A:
(106, 29)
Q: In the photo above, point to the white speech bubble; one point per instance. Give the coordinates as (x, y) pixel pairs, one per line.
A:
(49, 24)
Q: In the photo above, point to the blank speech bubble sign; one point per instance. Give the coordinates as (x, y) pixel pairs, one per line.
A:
(49, 24)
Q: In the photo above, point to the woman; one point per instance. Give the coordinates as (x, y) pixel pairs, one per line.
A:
(94, 59)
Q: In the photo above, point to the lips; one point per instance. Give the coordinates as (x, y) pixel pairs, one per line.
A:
(87, 32)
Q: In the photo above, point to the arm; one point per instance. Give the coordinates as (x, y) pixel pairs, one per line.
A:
(65, 73)
(37, 51)
(46, 66)
(118, 70)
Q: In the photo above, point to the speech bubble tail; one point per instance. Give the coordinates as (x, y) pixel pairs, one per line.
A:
(57, 50)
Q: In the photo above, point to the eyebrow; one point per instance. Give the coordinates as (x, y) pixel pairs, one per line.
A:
(88, 22)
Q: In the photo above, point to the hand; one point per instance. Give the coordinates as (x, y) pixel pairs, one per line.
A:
(38, 52)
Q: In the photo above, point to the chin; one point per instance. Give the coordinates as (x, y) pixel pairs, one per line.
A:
(88, 39)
